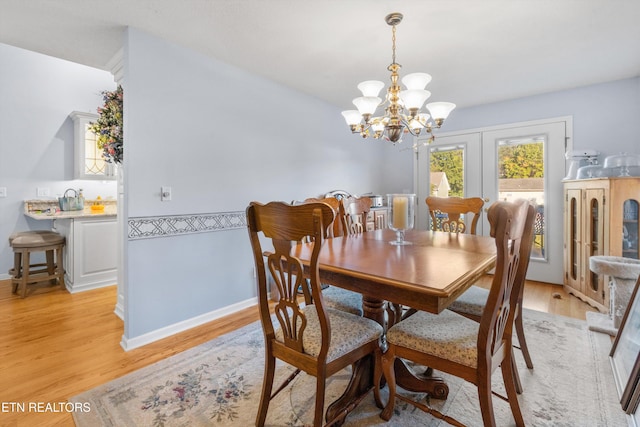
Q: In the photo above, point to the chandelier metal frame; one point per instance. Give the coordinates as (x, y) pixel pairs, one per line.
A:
(401, 107)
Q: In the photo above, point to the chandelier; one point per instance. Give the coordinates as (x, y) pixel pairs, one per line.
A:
(401, 107)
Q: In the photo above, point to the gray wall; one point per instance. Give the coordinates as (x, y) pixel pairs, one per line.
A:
(37, 93)
(220, 137)
(606, 117)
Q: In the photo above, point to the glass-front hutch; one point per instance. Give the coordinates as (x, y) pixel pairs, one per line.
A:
(601, 218)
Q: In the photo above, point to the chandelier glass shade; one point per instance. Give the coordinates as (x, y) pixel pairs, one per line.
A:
(402, 106)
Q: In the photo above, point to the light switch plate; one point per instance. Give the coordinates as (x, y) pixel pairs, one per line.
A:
(165, 194)
(3, 191)
(42, 192)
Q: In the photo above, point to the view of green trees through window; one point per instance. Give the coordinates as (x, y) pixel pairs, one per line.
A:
(520, 173)
(521, 161)
(514, 160)
(451, 163)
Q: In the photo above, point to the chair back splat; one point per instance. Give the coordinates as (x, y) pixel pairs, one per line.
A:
(507, 227)
(445, 213)
(317, 340)
(334, 229)
(354, 214)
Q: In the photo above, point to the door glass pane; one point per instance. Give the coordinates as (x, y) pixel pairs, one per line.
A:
(521, 176)
(446, 166)
(630, 229)
(574, 238)
(594, 235)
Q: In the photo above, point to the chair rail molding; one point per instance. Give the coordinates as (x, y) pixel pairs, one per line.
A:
(167, 226)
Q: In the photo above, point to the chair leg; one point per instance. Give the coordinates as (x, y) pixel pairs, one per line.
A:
(388, 360)
(377, 378)
(319, 411)
(267, 385)
(508, 375)
(516, 376)
(485, 398)
(521, 339)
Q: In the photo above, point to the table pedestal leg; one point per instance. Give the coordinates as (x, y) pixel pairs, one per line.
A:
(362, 376)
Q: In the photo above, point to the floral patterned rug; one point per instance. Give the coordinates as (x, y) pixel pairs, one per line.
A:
(219, 383)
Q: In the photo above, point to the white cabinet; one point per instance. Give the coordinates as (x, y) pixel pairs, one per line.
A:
(377, 218)
(91, 253)
(88, 160)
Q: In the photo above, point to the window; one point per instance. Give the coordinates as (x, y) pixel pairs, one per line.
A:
(89, 163)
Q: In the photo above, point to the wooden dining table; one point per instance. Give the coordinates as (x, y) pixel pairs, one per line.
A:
(428, 275)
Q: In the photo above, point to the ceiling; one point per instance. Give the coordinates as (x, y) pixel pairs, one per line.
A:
(477, 51)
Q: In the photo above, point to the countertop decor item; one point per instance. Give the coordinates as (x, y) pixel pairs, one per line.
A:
(71, 203)
(401, 107)
(50, 210)
(108, 127)
(622, 162)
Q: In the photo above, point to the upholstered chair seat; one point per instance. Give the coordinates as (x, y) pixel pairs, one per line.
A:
(472, 301)
(362, 331)
(446, 335)
(342, 299)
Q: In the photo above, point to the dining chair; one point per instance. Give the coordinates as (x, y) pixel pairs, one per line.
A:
(335, 228)
(355, 211)
(454, 344)
(446, 212)
(472, 302)
(352, 215)
(311, 337)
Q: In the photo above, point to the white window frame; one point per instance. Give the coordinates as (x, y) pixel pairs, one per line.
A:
(80, 122)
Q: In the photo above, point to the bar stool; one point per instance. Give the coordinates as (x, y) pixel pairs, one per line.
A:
(23, 272)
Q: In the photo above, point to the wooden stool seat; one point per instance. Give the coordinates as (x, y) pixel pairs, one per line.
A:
(24, 272)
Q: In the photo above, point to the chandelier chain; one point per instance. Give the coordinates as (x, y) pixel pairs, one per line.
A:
(393, 43)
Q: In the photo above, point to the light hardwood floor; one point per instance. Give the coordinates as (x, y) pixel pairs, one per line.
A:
(55, 345)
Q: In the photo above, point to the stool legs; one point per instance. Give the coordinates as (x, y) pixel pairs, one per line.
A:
(26, 259)
(23, 272)
(15, 271)
(59, 266)
(51, 268)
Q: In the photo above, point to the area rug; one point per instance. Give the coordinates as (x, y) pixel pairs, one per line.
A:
(219, 383)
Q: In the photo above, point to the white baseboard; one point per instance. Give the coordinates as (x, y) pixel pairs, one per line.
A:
(135, 342)
(119, 311)
(4, 276)
(74, 289)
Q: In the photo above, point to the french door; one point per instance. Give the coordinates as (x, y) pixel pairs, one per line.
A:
(524, 160)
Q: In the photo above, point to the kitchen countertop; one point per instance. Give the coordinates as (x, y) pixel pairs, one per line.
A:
(50, 209)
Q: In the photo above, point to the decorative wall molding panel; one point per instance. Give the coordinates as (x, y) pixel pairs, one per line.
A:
(166, 226)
